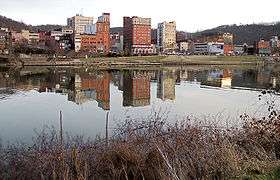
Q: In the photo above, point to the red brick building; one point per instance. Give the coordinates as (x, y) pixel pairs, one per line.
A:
(101, 85)
(264, 47)
(136, 90)
(137, 35)
(99, 42)
(228, 49)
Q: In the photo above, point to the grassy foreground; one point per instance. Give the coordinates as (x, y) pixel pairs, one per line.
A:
(152, 149)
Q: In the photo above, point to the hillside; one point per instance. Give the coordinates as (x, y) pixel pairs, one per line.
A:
(116, 29)
(18, 26)
(11, 24)
(246, 33)
(47, 27)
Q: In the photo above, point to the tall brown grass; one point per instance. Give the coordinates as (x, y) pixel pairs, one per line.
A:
(151, 149)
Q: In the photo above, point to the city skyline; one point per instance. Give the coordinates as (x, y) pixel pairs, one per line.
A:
(189, 16)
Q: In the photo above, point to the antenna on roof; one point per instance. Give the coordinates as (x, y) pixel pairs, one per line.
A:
(82, 11)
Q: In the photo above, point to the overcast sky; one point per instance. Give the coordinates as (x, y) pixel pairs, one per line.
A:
(190, 15)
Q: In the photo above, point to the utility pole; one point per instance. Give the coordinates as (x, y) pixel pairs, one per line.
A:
(61, 128)
(107, 124)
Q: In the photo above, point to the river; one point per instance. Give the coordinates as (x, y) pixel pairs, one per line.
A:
(32, 97)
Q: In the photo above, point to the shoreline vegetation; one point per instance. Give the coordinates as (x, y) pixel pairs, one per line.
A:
(144, 61)
(152, 149)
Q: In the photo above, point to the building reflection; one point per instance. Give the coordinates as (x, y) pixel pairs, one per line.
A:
(166, 85)
(219, 78)
(86, 88)
(136, 88)
(82, 85)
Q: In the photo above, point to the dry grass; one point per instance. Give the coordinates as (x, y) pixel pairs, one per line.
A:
(150, 149)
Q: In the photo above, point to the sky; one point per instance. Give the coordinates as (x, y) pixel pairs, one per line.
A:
(190, 15)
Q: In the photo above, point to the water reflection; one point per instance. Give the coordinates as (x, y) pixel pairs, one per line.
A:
(90, 99)
(83, 85)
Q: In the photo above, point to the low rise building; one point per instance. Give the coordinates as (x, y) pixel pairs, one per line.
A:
(183, 46)
(77, 42)
(215, 48)
(209, 48)
(3, 42)
(239, 49)
(201, 48)
(264, 47)
(67, 30)
(117, 42)
(17, 38)
(31, 37)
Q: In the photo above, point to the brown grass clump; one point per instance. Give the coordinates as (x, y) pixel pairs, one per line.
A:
(150, 149)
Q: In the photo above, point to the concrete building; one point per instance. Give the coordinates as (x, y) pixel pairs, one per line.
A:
(117, 42)
(56, 34)
(137, 36)
(212, 48)
(31, 37)
(225, 38)
(166, 36)
(215, 48)
(17, 38)
(79, 22)
(239, 49)
(3, 42)
(181, 36)
(67, 30)
(77, 42)
(201, 48)
(25, 34)
(275, 44)
(90, 29)
(183, 46)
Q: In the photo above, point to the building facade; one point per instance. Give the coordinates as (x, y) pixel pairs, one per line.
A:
(4, 42)
(117, 42)
(99, 41)
(137, 36)
(264, 47)
(166, 36)
(79, 23)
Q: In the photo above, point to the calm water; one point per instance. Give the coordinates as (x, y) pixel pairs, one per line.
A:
(32, 97)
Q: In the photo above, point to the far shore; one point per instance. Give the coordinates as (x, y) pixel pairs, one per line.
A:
(141, 61)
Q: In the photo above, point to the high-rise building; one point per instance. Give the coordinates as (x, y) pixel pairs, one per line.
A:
(79, 23)
(166, 36)
(99, 40)
(137, 35)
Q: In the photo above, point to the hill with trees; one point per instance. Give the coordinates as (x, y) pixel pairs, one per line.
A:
(18, 26)
(249, 33)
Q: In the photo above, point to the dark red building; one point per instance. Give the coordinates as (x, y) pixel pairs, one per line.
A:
(137, 36)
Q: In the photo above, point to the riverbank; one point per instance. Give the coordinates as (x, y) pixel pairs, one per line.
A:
(184, 60)
(147, 61)
(150, 150)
